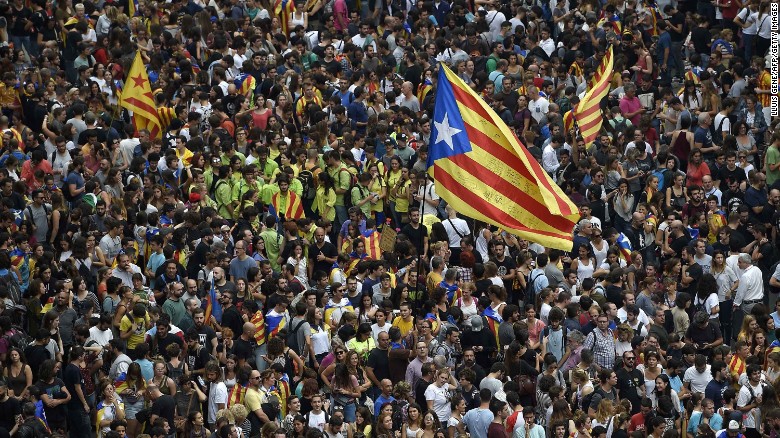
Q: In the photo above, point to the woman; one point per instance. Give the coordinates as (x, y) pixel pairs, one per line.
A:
(356, 369)
(413, 427)
(455, 424)
(17, 373)
(377, 104)
(585, 263)
(651, 369)
(132, 391)
(523, 119)
(663, 388)
(109, 407)
(82, 297)
(51, 322)
(743, 162)
(632, 172)
(677, 195)
(166, 384)
(562, 413)
(682, 142)
(697, 169)
(707, 298)
(583, 386)
(53, 389)
(261, 113)
(623, 204)
(189, 397)
(320, 336)
(749, 327)
(367, 309)
(279, 353)
(96, 256)
(384, 425)
(127, 299)
(344, 391)
(439, 398)
(467, 303)
(325, 198)
(753, 116)
(691, 98)
(431, 424)
(746, 143)
(363, 342)
(300, 264)
(535, 326)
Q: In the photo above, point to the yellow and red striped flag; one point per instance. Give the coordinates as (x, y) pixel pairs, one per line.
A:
(165, 114)
(137, 97)
(588, 111)
(283, 9)
(483, 170)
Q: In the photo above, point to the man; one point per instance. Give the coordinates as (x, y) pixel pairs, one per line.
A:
(163, 405)
(241, 263)
(217, 394)
(39, 215)
(207, 337)
(478, 420)
(125, 269)
(706, 416)
(386, 395)
(550, 156)
(78, 408)
(425, 380)
(163, 338)
(254, 399)
(605, 390)
(493, 381)
(718, 384)
(322, 254)
(31, 426)
(417, 233)
(174, 306)
(697, 377)
(602, 342)
(231, 317)
(457, 229)
(704, 334)
(529, 429)
(378, 364)
(751, 287)
(631, 382)
(111, 243)
(450, 348)
(702, 138)
(749, 400)
(414, 369)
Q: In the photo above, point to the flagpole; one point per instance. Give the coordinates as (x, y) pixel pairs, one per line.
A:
(422, 236)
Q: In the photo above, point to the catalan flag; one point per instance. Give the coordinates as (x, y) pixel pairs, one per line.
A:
(212, 305)
(371, 239)
(132, 8)
(236, 395)
(137, 97)
(624, 245)
(655, 15)
(274, 322)
(246, 85)
(283, 9)
(423, 89)
(568, 119)
(483, 171)
(588, 112)
(259, 321)
(613, 19)
(453, 292)
(493, 321)
(165, 115)
(289, 206)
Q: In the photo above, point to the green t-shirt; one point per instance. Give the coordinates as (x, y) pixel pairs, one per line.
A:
(772, 157)
(343, 179)
(273, 243)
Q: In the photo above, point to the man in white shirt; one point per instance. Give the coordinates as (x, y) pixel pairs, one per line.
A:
(629, 299)
(709, 188)
(426, 195)
(537, 104)
(456, 229)
(751, 285)
(750, 398)
(698, 376)
(550, 157)
(546, 43)
(494, 19)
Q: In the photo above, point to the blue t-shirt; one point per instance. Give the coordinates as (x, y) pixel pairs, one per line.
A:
(664, 42)
(74, 178)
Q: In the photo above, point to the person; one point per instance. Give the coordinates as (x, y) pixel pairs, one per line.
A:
(479, 421)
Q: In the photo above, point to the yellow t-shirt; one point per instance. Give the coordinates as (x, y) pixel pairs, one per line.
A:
(253, 400)
(402, 325)
(375, 186)
(138, 337)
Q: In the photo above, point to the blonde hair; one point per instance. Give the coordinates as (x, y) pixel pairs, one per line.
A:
(239, 411)
(226, 413)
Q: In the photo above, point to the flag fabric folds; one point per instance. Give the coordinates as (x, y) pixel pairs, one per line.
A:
(137, 97)
(484, 172)
(259, 321)
(212, 305)
(371, 239)
(624, 245)
(290, 206)
(283, 9)
(166, 115)
(423, 89)
(588, 111)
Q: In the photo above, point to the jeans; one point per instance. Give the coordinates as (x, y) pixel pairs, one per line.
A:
(341, 216)
(78, 422)
(349, 411)
(748, 41)
(676, 55)
(23, 41)
(260, 363)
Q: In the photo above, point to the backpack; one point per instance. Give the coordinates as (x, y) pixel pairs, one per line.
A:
(546, 332)
(306, 177)
(620, 126)
(397, 415)
(16, 339)
(717, 133)
(352, 184)
(530, 290)
(753, 394)
(292, 338)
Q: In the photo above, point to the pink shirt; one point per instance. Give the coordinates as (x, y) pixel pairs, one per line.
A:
(340, 10)
(629, 106)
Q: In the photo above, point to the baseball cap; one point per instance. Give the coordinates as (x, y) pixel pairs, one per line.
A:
(733, 425)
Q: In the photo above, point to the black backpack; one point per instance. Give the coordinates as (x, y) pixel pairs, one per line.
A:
(292, 338)
(307, 181)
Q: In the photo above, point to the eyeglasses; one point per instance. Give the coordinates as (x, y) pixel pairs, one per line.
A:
(339, 353)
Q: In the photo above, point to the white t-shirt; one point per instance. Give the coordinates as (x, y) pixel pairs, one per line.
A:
(538, 108)
(441, 401)
(697, 380)
(217, 394)
(744, 399)
(317, 421)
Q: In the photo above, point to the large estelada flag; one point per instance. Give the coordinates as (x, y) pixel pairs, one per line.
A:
(484, 172)
(137, 97)
(588, 111)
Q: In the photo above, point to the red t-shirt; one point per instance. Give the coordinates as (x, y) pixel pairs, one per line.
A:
(637, 422)
(496, 430)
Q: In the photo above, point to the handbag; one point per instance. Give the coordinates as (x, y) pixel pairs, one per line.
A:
(181, 421)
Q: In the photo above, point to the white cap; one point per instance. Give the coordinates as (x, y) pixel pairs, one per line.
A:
(733, 425)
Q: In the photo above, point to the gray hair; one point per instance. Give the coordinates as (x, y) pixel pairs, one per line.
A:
(745, 258)
(575, 336)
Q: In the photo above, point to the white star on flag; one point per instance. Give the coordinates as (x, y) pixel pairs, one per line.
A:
(445, 132)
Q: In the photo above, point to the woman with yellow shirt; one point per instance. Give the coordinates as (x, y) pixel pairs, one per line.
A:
(401, 189)
(325, 199)
(394, 182)
(377, 185)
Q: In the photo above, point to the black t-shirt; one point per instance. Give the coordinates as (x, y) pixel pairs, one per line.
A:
(198, 358)
(419, 392)
(328, 250)
(415, 236)
(54, 390)
(36, 355)
(243, 349)
(72, 377)
(504, 267)
(231, 318)
(727, 175)
(165, 407)
(379, 361)
(628, 385)
(206, 334)
(159, 345)
(9, 409)
(679, 243)
(676, 20)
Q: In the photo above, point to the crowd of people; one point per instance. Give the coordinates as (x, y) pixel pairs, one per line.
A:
(277, 262)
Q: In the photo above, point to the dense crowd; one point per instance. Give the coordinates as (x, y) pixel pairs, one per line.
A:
(277, 263)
